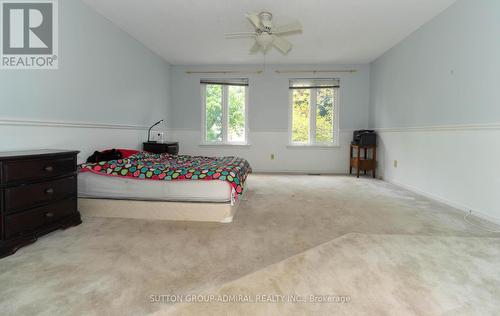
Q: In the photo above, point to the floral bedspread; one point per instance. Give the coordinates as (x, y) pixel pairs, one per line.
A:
(165, 167)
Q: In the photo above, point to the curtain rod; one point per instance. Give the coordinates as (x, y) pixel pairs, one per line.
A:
(226, 72)
(316, 71)
(277, 71)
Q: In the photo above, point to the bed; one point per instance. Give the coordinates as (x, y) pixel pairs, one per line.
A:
(163, 187)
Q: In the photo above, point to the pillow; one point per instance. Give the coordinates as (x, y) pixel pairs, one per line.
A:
(128, 152)
(111, 154)
(106, 155)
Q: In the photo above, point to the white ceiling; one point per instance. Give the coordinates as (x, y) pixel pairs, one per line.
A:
(335, 31)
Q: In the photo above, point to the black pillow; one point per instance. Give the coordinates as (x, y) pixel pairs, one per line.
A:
(106, 155)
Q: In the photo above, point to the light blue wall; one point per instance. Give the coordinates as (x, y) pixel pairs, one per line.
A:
(268, 95)
(104, 76)
(447, 72)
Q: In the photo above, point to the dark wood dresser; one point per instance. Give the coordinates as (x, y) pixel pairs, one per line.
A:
(161, 148)
(38, 194)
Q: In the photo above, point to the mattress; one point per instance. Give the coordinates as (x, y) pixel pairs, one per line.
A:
(91, 185)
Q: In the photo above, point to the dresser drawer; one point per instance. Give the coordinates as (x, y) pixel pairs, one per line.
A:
(21, 197)
(26, 222)
(19, 170)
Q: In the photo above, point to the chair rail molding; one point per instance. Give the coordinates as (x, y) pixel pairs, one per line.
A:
(436, 128)
(71, 124)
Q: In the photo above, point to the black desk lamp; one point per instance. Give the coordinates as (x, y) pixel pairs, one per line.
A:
(149, 131)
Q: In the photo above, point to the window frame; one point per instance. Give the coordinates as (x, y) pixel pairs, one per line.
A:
(225, 116)
(312, 120)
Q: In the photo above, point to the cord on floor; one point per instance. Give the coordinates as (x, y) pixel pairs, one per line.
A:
(466, 219)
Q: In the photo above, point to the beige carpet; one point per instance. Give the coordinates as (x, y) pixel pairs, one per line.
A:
(113, 266)
(375, 274)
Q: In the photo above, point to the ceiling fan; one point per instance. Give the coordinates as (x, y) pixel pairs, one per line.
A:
(266, 35)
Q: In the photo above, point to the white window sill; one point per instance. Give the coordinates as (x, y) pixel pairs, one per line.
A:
(223, 145)
(312, 146)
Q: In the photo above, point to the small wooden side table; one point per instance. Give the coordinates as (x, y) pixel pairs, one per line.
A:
(363, 163)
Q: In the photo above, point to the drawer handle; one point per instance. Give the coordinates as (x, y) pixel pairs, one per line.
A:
(49, 214)
(49, 191)
(49, 169)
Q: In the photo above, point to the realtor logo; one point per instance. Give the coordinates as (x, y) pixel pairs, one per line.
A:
(29, 34)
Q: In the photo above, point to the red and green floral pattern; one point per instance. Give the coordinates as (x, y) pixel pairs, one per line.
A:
(165, 167)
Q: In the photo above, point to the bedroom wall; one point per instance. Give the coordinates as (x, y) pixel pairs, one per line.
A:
(107, 89)
(268, 118)
(435, 102)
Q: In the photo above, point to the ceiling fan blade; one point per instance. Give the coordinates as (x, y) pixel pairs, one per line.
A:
(255, 48)
(282, 44)
(240, 34)
(254, 19)
(294, 27)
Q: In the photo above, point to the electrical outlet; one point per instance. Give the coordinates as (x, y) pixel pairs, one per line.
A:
(273, 156)
(395, 163)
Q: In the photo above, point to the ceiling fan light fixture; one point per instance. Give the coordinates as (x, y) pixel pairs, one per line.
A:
(265, 41)
(266, 35)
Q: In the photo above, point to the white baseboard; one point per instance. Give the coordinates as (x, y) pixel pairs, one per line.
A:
(298, 172)
(461, 207)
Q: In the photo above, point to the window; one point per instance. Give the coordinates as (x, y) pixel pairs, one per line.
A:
(314, 112)
(225, 104)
